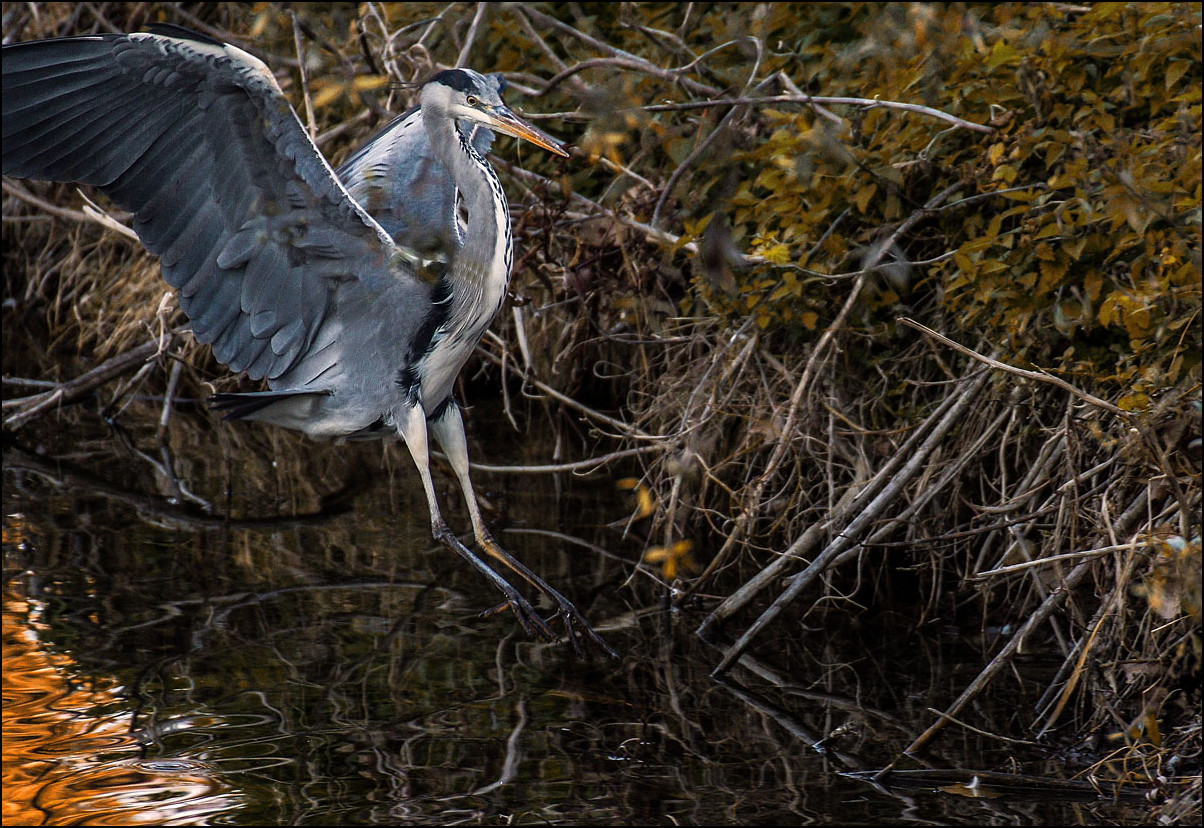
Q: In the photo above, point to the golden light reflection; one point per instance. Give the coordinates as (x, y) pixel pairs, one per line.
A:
(65, 763)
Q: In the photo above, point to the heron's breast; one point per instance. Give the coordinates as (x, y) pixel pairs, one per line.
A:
(451, 347)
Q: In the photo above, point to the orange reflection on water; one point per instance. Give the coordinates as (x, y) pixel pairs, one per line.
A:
(69, 754)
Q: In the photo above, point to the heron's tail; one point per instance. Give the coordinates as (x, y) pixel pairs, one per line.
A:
(267, 406)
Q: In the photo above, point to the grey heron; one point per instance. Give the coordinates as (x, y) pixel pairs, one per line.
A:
(359, 330)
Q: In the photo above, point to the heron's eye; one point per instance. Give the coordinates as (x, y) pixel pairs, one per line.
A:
(472, 100)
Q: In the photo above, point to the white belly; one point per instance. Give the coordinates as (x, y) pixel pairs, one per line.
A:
(451, 350)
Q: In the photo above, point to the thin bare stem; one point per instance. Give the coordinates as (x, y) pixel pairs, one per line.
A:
(1038, 376)
(310, 121)
(462, 59)
(868, 103)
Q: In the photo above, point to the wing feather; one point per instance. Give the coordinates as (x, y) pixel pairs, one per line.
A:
(196, 139)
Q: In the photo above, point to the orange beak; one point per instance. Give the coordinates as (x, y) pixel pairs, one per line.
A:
(503, 120)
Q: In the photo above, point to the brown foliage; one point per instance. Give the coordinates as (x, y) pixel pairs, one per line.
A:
(724, 280)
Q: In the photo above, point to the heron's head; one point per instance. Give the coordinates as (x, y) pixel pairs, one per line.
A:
(465, 95)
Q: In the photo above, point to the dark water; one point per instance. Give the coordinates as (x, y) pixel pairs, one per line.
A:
(302, 653)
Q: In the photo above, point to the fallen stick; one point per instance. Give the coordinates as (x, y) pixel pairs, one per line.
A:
(35, 405)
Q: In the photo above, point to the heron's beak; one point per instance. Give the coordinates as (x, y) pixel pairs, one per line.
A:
(503, 120)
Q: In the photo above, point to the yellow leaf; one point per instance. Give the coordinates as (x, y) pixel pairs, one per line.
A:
(1093, 281)
(1005, 172)
(366, 83)
(994, 227)
(1174, 72)
(1051, 275)
(645, 505)
(671, 557)
(1002, 53)
(1150, 722)
(1027, 196)
(863, 197)
(327, 92)
(695, 228)
(780, 293)
(776, 253)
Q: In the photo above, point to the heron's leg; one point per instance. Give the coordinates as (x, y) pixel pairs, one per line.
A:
(412, 426)
(448, 430)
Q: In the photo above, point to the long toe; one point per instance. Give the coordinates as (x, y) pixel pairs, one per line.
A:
(565, 611)
(535, 626)
(530, 620)
(573, 621)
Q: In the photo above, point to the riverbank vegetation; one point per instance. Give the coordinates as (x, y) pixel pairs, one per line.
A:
(869, 306)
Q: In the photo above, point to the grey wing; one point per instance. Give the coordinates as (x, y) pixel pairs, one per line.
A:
(196, 139)
(398, 180)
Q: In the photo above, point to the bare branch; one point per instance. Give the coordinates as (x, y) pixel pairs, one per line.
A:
(472, 34)
(868, 103)
(1039, 376)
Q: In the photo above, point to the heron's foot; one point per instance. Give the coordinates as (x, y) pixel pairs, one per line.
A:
(575, 624)
(530, 620)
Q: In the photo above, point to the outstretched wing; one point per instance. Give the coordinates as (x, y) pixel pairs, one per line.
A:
(399, 181)
(196, 139)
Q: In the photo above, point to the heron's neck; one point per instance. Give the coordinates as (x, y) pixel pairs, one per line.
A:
(483, 260)
(480, 268)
